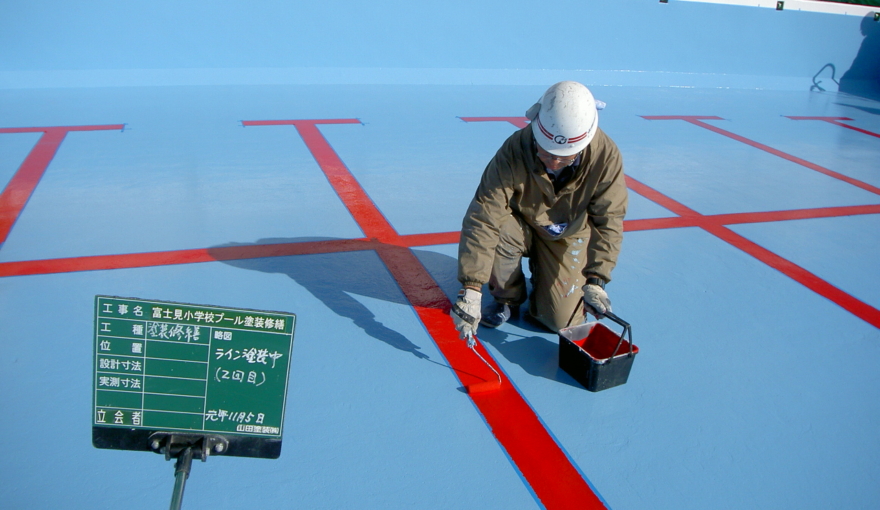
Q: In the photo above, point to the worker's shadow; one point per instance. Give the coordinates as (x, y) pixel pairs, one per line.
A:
(334, 278)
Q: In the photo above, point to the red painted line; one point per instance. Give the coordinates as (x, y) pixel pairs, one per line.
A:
(540, 460)
(102, 262)
(514, 424)
(22, 185)
(826, 119)
(20, 188)
(698, 121)
(174, 257)
(519, 122)
(97, 127)
(429, 239)
(659, 223)
(794, 214)
(835, 121)
(220, 253)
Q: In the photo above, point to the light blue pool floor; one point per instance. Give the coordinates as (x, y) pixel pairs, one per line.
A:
(756, 385)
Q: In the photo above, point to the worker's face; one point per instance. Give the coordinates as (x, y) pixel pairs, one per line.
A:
(552, 162)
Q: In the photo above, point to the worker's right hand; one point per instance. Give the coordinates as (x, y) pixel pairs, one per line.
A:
(466, 312)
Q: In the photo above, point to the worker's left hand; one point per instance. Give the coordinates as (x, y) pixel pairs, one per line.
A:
(597, 300)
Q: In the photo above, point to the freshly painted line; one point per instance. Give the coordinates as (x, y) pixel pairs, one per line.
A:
(836, 122)
(697, 120)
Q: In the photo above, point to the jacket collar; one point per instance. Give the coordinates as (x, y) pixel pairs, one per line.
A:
(539, 171)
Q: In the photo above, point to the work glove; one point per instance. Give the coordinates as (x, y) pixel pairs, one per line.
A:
(596, 300)
(466, 312)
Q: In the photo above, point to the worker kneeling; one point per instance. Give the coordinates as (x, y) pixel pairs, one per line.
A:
(555, 193)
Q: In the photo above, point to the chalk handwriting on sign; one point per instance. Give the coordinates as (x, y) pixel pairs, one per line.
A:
(251, 355)
(236, 416)
(255, 378)
(177, 332)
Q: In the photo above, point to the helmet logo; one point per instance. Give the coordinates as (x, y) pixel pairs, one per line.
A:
(559, 139)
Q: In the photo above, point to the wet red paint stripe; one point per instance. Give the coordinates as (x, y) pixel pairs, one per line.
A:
(697, 120)
(20, 188)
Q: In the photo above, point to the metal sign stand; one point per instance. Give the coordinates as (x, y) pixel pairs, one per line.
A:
(184, 447)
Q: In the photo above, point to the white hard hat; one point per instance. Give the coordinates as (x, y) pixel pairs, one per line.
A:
(565, 119)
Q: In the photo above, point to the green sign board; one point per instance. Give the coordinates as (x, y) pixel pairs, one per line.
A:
(190, 369)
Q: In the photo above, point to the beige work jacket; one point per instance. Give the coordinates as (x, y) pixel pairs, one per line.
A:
(593, 204)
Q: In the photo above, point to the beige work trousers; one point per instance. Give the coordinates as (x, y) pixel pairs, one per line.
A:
(556, 267)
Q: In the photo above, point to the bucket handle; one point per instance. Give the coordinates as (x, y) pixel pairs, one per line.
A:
(627, 329)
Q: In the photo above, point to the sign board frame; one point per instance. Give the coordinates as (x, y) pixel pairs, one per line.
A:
(178, 368)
